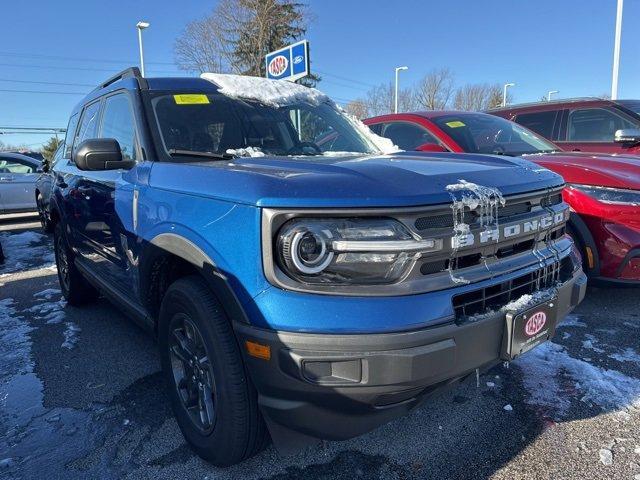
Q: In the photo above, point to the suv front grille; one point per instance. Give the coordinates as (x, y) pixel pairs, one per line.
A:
(511, 209)
(495, 297)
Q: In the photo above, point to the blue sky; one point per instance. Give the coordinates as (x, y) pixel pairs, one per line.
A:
(540, 45)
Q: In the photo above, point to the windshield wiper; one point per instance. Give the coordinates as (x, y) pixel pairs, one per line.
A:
(194, 153)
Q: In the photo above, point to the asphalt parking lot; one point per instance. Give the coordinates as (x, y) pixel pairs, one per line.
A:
(81, 397)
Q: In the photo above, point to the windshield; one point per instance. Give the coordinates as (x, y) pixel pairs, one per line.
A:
(482, 133)
(633, 105)
(219, 124)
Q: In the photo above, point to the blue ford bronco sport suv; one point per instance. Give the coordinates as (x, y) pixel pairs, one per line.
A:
(304, 280)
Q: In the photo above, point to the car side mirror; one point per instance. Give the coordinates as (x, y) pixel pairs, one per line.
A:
(431, 147)
(100, 154)
(627, 135)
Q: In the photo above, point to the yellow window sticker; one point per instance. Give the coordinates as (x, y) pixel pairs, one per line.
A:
(455, 124)
(191, 99)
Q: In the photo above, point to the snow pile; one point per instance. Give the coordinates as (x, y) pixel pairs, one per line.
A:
(572, 321)
(384, 145)
(15, 344)
(246, 152)
(518, 304)
(590, 344)
(627, 355)
(548, 368)
(281, 93)
(50, 312)
(25, 249)
(70, 333)
(276, 93)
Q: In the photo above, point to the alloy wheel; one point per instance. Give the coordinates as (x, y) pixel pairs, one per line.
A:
(192, 372)
(63, 263)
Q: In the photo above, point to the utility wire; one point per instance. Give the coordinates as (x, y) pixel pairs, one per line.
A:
(48, 83)
(78, 59)
(42, 91)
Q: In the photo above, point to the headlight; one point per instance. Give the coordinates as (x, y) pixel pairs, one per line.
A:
(348, 251)
(615, 196)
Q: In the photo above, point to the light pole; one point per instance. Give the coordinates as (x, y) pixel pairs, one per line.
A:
(504, 93)
(141, 26)
(616, 52)
(396, 95)
(551, 92)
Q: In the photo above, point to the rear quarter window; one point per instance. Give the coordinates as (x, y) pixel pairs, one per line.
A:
(539, 122)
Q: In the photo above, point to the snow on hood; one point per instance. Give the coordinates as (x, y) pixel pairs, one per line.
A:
(280, 93)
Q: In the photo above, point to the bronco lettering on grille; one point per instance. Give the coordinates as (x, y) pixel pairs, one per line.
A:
(495, 234)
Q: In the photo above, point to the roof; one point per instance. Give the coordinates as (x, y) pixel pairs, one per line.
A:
(131, 79)
(20, 156)
(559, 101)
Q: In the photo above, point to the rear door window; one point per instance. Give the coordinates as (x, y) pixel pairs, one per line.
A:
(540, 122)
(88, 125)
(71, 131)
(595, 125)
(408, 136)
(118, 123)
(11, 165)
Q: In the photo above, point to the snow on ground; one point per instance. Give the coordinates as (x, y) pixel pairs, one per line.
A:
(572, 321)
(14, 343)
(49, 311)
(71, 332)
(24, 249)
(547, 370)
(627, 355)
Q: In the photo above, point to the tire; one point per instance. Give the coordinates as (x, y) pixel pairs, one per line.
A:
(223, 424)
(580, 246)
(75, 288)
(46, 224)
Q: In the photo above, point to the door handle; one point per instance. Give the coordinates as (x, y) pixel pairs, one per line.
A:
(576, 150)
(6, 179)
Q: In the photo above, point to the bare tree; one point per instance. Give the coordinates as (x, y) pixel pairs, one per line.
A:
(207, 45)
(238, 34)
(357, 108)
(380, 100)
(435, 90)
(479, 96)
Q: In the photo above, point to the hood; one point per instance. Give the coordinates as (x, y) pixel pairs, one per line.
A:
(402, 179)
(617, 171)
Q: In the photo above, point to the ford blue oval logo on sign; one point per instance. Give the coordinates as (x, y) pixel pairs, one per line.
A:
(288, 63)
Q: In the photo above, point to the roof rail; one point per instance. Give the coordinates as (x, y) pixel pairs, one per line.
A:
(548, 102)
(131, 72)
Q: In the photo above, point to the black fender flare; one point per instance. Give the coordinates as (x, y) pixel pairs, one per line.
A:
(188, 251)
(585, 238)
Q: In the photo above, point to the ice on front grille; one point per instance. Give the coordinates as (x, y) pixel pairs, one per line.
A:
(467, 196)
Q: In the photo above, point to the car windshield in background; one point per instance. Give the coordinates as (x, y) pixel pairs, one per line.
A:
(217, 124)
(633, 105)
(482, 133)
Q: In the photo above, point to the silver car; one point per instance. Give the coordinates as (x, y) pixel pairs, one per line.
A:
(18, 175)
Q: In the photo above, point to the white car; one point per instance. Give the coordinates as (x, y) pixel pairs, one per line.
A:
(18, 175)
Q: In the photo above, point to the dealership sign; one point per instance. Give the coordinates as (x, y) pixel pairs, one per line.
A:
(288, 63)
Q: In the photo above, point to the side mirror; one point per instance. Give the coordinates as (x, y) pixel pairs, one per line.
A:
(100, 154)
(431, 147)
(627, 135)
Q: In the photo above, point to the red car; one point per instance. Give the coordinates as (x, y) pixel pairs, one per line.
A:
(584, 124)
(602, 190)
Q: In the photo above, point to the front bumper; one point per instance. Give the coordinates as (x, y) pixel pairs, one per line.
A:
(340, 386)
